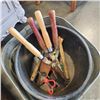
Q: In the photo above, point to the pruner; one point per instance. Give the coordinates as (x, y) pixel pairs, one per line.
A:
(51, 83)
(52, 54)
(47, 84)
(28, 45)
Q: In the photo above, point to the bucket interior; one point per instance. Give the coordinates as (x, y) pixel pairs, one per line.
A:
(73, 46)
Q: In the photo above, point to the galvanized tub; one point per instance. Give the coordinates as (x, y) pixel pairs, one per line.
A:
(6, 55)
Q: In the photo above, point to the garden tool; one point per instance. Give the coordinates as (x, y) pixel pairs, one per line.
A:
(46, 39)
(31, 22)
(28, 45)
(31, 48)
(47, 84)
(40, 40)
(44, 68)
(53, 55)
(44, 33)
(52, 17)
(51, 84)
(57, 42)
(47, 88)
(35, 67)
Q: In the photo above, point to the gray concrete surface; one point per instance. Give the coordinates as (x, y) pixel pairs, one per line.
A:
(87, 20)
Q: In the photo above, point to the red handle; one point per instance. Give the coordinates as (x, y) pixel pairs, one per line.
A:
(52, 15)
(50, 91)
(37, 34)
(46, 80)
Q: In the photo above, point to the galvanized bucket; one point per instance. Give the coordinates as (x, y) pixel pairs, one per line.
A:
(8, 57)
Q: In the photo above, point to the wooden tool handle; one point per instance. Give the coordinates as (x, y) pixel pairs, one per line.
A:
(73, 5)
(31, 22)
(28, 45)
(63, 58)
(52, 16)
(43, 29)
(36, 65)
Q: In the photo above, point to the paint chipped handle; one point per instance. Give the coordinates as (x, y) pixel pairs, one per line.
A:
(52, 16)
(36, 65)
(45, 35)
(31, 22)
(28, 45)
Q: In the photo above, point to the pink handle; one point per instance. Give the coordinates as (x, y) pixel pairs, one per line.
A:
(37, 34)
(54, 83)
(46, 80)
(52, 16)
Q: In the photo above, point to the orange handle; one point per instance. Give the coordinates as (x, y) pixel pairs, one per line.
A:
(28, 45)
(43, 29)
(52, 16)
(73, 5)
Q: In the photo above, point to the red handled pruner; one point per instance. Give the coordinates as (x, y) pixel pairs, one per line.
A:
(51, 83)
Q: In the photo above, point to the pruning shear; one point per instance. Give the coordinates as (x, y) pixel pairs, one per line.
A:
(28, 45)
(52, 54)
(45, 42)
(57, 40)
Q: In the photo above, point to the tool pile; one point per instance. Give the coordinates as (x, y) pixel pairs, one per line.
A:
(50, 69)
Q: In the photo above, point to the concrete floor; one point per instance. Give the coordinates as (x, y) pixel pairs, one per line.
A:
(86, 19)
